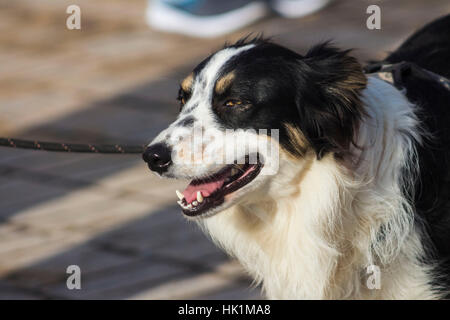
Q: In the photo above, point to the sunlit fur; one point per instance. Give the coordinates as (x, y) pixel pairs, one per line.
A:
(315, 228)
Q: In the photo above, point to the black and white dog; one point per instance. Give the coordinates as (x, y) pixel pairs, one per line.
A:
(362, 181)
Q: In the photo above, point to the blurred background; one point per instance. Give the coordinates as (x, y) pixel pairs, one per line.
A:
(115, 81)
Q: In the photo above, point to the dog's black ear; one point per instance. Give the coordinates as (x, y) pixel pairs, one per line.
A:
(328, 102)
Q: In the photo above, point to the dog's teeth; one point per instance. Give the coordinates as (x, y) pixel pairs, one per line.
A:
(194, 203)
(189, 206)
(179, 195)
(180, 203)
(199, 197)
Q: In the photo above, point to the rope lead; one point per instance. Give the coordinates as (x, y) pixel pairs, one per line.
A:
(70, 147)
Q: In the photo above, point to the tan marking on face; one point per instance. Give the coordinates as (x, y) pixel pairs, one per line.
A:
(223, 83)
(297, 139)
(186, 84)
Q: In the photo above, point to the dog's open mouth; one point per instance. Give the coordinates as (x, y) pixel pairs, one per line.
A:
(201, 195)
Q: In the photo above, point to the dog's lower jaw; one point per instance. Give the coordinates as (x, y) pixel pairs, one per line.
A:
(318, 243)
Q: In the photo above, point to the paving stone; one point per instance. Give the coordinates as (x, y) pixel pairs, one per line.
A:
(53, 270)
(16, 195)
(200, 286)
(117, 282)
(163, 233)
(11, 292)
(9, 155)
(87, 218)
(92, 169)
(34, 160)
(23, 248)
(233, 292)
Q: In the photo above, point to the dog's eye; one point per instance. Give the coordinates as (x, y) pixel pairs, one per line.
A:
(182, 98)
(233, 103)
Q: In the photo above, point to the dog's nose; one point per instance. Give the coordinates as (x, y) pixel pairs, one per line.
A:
(158, 157)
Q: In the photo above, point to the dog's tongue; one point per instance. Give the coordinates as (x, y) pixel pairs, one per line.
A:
(207, 188)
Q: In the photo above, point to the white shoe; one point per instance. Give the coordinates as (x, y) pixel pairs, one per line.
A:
(297, 8)
(204, 18)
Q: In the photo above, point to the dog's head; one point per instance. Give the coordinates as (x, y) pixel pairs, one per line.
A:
(245, 106)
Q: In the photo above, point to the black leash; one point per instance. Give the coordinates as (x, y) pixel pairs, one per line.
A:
(70, 147)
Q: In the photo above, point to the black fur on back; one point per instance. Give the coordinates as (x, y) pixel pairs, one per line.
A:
(429, 48)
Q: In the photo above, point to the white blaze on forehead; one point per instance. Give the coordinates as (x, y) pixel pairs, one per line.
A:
(204, 83)
(211, 71)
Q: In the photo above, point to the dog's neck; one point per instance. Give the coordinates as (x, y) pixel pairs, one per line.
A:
(319, 224)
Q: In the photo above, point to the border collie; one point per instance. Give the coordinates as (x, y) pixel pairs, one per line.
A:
(362, 181)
